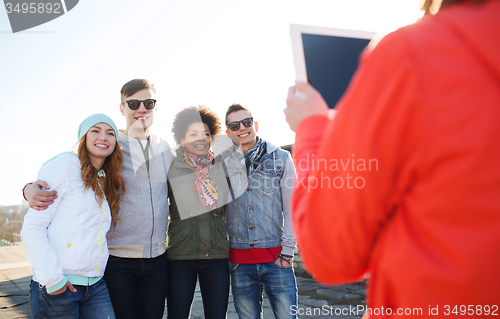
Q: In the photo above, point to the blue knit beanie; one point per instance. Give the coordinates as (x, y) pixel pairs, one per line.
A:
(93, 120)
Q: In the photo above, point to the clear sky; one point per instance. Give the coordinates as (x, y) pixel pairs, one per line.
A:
(195, 52)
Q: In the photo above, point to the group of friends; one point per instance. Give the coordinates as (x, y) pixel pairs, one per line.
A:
(424, 227)
(227, 215)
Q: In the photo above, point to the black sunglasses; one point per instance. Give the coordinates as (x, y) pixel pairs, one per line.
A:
(234, 126)
(149, 104)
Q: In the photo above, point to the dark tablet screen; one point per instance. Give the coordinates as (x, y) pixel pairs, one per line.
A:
(331, 62)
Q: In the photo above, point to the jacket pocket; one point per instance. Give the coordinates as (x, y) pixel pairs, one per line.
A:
(222, 239)
(233, 266)
(180, 239)
(270, 180)
(238, 181)
(71, 249)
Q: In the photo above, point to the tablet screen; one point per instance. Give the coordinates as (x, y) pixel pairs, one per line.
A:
(331, 62)
(327, 57)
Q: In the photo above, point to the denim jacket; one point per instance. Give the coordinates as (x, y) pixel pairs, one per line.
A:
(259, 215)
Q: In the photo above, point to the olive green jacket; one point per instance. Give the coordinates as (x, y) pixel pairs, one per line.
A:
(195, 231)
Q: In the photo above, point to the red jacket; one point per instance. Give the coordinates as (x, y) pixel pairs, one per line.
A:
(419, 211)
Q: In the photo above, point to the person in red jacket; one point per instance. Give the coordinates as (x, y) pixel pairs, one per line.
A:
(403, 184)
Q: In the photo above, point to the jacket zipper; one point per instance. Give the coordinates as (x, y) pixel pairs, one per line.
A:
(100, 244)
(100, 230)
(153, 211)
(148, 162)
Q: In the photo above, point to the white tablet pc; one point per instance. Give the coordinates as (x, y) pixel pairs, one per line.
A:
(327, 57)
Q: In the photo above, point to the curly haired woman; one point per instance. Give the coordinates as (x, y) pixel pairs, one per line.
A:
(197, 236)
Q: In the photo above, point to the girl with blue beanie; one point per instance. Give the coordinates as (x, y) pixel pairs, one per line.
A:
(66, 243)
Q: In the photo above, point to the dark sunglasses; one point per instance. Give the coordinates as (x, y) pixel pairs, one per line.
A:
(234, 126)
(149, 104)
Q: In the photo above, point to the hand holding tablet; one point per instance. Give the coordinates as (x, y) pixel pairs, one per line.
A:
(304, 101)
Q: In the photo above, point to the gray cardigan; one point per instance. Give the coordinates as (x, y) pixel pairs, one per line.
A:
(141, 230)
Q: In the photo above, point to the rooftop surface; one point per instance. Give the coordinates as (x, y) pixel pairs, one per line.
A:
(315, 300)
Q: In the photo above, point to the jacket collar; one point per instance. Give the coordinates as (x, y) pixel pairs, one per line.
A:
(125, 137)
(269, 147)
(180, 163)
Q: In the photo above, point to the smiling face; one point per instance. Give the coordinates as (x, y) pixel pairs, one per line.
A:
(198, 139)
(245, 137)
(138, 121)
(101, 142)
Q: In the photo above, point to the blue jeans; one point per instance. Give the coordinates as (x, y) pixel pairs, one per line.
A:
(87, 302)
(214, 284)
(248, 281)
(137, 286)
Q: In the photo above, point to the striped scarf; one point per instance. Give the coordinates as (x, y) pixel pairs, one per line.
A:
(254, 156)
(203, 183)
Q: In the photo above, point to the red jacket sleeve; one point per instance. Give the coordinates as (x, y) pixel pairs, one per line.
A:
(350, 169)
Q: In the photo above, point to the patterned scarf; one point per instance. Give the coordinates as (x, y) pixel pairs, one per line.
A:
(203, 183)
(254, 156)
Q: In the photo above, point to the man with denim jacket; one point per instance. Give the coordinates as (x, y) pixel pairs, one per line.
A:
(258, 219)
